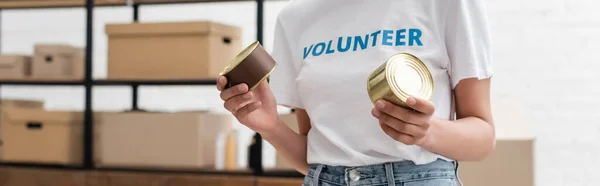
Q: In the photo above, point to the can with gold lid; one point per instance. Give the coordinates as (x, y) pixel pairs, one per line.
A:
(252, 66)
(403, 75)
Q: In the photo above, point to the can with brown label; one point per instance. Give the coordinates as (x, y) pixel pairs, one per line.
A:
(252, 66)
(403, 75)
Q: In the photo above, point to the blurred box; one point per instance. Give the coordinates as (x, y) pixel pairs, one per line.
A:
(292, 122)
(15, 67)
(512, 162)
(16, 103)
(21, 103)
(170, 51)
(58, 61)
(183, 140)
(39, 136)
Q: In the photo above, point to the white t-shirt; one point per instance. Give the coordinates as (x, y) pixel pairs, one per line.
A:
(326, 49)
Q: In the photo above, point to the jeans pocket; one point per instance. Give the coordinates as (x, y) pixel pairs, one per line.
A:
(307, 181)
(433, 182)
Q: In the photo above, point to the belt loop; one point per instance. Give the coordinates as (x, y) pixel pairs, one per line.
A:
(317, 174)
(456, 173)
(389, 169)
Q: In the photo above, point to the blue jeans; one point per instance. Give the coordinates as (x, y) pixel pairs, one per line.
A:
(404, 173)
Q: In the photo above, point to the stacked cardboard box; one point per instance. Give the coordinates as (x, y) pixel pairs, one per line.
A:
(58, 61)
(49, 62)
(31, 134)
(183, 140)
(15, 67)
(170, 51)
(8, 104)
(39, 136)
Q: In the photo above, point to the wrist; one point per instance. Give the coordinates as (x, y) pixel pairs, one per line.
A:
(271, 134)
(428, 141)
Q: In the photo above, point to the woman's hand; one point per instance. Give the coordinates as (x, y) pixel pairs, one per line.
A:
(405, 125)
(256, 109)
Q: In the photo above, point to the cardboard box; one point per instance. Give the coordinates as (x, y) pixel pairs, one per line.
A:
(15, 67)
(185, 140)
(21, 103)
(292, 122)
(171, 51)
(58, 61)
(512, 162)
(16, 103)
(38, 136)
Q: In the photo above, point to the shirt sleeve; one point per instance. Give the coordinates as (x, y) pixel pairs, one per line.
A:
(283, 78)
(467, 40)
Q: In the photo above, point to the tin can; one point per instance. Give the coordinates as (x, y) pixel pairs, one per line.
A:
(403, 75)
(252, 66)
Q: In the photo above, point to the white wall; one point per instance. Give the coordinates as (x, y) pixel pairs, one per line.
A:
(545, 52)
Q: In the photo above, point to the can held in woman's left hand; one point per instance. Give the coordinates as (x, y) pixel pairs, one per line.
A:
(251, 66)
(402, 76)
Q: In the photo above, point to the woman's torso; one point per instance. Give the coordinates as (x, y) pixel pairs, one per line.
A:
(335, 45)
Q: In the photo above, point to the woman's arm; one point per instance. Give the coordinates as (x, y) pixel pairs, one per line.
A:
(291, 145)
(471, 137)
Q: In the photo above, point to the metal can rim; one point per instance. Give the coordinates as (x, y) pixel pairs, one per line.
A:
(422, 70)
(239, 58)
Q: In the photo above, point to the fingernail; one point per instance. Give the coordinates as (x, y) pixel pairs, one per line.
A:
(411, 101)
(221, 79)
(376, 113)
(380, 104)
(241, 88)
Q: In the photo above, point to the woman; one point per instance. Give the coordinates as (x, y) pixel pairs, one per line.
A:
(325, 51)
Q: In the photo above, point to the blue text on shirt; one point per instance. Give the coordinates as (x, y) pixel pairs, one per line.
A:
(400, 37)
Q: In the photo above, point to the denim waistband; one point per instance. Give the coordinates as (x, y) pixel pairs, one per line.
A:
(383, 174)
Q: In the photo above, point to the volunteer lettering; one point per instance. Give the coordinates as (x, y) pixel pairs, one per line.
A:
(401, 37)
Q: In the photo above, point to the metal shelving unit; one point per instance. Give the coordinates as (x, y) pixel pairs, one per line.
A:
(255, 150)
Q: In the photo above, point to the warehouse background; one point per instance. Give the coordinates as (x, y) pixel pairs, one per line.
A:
(545, 57)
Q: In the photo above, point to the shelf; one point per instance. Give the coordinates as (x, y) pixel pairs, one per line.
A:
(10, 175)
(107, 82)
(155, 171)
(39, 166)
(26, 4)
(43, 82)
(190, 171)
(155, 82)
(44, 4)
(282, 173)
(150, 2)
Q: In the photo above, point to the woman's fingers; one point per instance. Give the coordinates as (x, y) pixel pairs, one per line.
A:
(237, 102)
(234, 91)
(398, 136)
(221, 83)
(417, 131)
(249, 108)
(401, 113)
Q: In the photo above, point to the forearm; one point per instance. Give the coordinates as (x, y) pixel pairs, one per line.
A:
(291, 145)
(466, 139)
